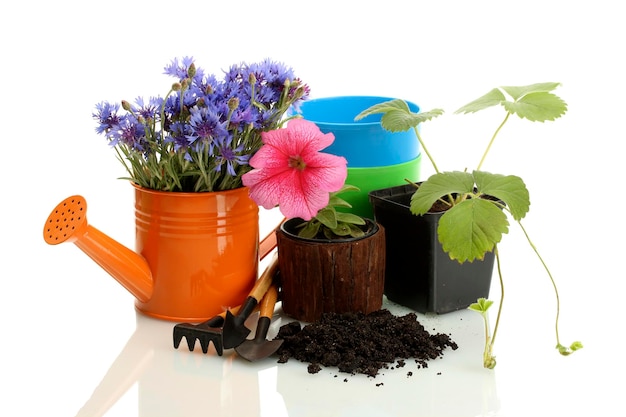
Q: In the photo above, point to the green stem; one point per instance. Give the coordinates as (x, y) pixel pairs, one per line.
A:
(123, 160)
(419, 137)
(205, 175)
(493, 138)
(487, 355)
(490, 360)
(556, 291)
(162, 113)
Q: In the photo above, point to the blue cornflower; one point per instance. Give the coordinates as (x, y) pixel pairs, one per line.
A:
(214, 124)
(302, 89)
(205, 126)
(234, 73)
(106, 115)
(178, 132)
(225, 154)
(150, 110)
(207, 86)
(130, 132)
(243, 116)
(266, 94)
(271, 75)
(178, 68)
(199, 83)
(190, 97)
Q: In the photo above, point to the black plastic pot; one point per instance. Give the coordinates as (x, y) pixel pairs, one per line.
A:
(418, 273)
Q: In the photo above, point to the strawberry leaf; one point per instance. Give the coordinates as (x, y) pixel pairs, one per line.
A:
(492, 98)
(508, 188)
(471, 228)
(537, 107)
(481, 305)
(397, 117)
(517, 92)
(438, 186)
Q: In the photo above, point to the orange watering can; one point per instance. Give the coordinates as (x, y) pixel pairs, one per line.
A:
(196, 253)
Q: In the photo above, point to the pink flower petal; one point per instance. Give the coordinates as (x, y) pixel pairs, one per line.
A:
(299, 192)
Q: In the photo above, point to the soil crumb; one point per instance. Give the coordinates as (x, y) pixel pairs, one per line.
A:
(359, 343)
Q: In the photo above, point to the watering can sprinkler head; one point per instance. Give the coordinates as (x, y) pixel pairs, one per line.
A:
(68, 223)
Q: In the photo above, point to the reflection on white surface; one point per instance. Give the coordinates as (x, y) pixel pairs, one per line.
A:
(177, 382)
(173, 382)
(271, 401)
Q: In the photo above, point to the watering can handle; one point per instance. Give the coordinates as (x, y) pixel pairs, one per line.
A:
(268, 243)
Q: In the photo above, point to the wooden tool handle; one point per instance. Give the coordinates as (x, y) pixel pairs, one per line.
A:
(268, 243)
(233, 310)
(265, 281)
(269, 301)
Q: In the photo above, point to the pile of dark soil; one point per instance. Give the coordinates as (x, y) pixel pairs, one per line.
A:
(358, 343)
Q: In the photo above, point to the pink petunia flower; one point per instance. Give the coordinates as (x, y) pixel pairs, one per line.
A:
(290, 171)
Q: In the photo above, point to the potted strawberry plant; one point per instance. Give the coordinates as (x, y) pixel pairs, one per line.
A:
(476, 205)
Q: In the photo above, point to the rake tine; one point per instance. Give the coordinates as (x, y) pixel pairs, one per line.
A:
(205, 332)
(205, 340)
(191, 342)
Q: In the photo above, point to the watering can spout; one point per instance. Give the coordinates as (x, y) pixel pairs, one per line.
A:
(68, 223)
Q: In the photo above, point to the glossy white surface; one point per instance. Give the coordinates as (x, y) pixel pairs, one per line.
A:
(72, 343)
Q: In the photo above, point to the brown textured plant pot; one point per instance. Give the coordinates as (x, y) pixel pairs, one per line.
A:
(319, 275)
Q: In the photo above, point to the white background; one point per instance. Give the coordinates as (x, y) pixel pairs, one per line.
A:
(60, 58)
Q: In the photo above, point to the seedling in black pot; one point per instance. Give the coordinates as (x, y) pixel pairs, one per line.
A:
(473, 225)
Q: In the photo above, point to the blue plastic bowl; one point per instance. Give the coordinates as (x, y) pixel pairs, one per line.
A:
(364, 143)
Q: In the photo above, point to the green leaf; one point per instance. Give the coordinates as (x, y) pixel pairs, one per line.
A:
(397, 117)
(492, 98)
(510, 189)
(533, 102)
(481, 305)
(537, 107)
(349, 218)
(356, 231)
(336, 201)
(328, 217)
(399, 121)
(309, 229)
(517, 92)
(471, 228)
(439, 185)
(347, 187)
(342, 229)
(396, 104)
(565, 351)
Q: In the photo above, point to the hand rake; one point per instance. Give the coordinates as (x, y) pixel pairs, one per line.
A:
(205, 332)
(211, 329)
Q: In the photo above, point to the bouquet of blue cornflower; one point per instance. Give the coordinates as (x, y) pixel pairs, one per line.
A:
(202, 134)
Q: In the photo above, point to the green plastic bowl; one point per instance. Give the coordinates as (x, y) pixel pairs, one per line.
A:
(374, 178)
